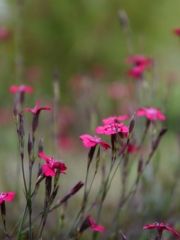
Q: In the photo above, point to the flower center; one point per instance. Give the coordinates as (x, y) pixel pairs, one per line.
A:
(2, 195)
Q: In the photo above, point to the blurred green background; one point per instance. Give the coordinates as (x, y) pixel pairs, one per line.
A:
(85, 39)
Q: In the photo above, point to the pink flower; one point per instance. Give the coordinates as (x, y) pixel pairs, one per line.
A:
(160, 227)
(131, 148)
(36, 110)
(51, 165)
(114, 119)
(176, 31)
(5, 34)
(89, 141)
(94, 226)
(90, 222)
(137, 71)
(139, 60)
(151, 113)
(9, 196)
(112, 129)
(20, 89)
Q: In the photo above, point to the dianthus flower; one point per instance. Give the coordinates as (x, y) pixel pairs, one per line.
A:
(51, 165)
(131, 148)
(9, 196)
(36, 111)
(5, 34)
(21, 89)
(90, 222)
(114, 119)
(176, 31)
(139, 60)
(161, 227)
(112, 129)
(151, 113)
(90, 141)
(136, 72)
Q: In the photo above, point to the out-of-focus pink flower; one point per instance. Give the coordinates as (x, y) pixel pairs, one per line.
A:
(136, 72)
(20, 89)
(176, 31)
(131, 148)
(90, 222)
(114, 119)
(151, 113)
(9, 196)
(49, 168)
(98, 71)
(66, 143)
(34, 73)
(90, 141)
(117, 90)
(66, 117)
(139, 60)
(76, 82)
(5, 34)
(36, 110)
(161, 227)
(112, 129)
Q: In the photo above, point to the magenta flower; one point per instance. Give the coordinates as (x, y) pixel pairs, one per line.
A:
(94, 226)
(49, 169)
(9, 196)
(90, 222)
(139, 60)
(36, 110)
(5, 34)
(151, 113)
(112, 129)
(131, 148)
(89, 141)
(114, 119)
(136, 72)
(160, 227)
(176, 31)
(21, 89)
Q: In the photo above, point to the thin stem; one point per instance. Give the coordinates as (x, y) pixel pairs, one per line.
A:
(21, 223)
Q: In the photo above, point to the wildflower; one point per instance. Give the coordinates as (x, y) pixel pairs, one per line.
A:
(114, 119)
(20, 89)
(118, 90)
(36, 111)
(9, 196)
(112, 129)
(90, 222)
(51, 165)
(137, 71)
(160, 227)
(176, 31)
(151, 113)
(131, 148)
(89, 141)
(139, 60)
(5, 34)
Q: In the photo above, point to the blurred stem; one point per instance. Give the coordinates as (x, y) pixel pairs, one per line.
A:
(18, 41)
(21, 223)
(55, 108)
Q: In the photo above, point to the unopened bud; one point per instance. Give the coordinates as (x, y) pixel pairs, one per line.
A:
(30, 145)
(40, 146)
(132, 123)
(124, 19)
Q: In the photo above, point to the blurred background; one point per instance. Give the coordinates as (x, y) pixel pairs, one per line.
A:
(86, 43)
